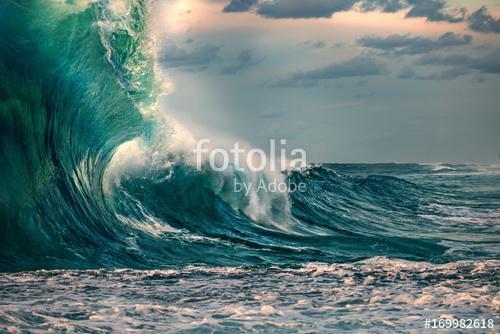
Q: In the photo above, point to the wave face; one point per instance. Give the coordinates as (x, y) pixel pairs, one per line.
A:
(79, 90)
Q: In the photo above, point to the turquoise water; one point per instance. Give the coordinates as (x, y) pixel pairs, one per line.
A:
(92, 242)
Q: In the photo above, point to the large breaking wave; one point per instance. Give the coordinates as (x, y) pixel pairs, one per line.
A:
(91, 177)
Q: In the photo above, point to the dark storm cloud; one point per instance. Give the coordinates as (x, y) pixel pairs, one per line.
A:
(356, 67)
(435, 10)
(303, 8)
(432, 10)
(387, 6)
(191, 60)
(239, 6)
(489, 63)
(244, 61)
(481, 21)
(411, 45)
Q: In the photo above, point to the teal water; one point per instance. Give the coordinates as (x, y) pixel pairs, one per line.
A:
(89, 242)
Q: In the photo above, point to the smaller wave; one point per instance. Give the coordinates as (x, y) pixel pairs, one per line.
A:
(442, 167)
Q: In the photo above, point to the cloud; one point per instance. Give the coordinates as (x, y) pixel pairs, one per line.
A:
(315, 44)
(435, 10)
(356, 67)
(459, 65)
(236, 6)
(194, 60)
(244, 61)
(411, 45)
(449, 74)
(387, 6)
(303, 8)
(481, 21)
(432, 10)
(489, 64)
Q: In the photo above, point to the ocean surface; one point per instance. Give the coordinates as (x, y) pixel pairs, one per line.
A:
(107, 226)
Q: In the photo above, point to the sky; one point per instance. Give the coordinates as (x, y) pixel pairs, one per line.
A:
(346, 80)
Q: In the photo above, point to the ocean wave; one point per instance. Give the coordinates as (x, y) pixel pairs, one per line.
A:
(94, 174)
